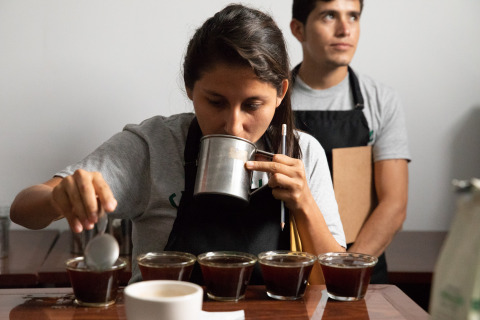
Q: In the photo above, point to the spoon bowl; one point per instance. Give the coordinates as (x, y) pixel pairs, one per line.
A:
(102, 251)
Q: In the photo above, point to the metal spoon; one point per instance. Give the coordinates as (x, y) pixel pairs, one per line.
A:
(102, 251)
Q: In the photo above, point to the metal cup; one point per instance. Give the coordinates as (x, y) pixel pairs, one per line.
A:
(221, 168)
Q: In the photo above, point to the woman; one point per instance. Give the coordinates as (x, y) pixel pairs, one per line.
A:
(236, 73)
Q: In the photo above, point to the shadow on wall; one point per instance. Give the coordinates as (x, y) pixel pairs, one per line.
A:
(465, 162)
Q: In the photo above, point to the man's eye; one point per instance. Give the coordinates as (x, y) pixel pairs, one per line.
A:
(329, 16)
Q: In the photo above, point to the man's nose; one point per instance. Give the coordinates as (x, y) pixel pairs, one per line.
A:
(343, 27)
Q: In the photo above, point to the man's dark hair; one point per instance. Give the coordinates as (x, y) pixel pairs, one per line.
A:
(301, 9)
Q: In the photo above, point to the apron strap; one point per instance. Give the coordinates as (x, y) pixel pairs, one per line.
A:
(190, 154)
(356, 92)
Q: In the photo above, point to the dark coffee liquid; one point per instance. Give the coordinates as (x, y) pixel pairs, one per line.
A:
(94, 286)
(344, 279)
(166, 268)
(225, 281)
(288, 279)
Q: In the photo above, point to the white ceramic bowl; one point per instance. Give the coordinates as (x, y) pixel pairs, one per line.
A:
(163, 299)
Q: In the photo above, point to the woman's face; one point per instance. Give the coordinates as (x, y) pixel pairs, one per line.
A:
(230, 99)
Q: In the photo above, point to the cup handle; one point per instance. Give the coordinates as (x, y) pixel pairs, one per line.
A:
(265, 153)
(268, 155)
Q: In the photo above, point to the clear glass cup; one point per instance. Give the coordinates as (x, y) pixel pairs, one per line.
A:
(226, 274)
(166, 265)
(347, 274)
(286, 273)
(94, 288)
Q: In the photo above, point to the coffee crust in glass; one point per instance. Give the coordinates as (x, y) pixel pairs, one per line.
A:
(286, 273)
(166, 265)
(94, 288)
(347, 274)
(226, 274)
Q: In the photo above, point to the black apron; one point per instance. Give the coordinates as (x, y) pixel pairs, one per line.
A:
(341, 129)
(202, 226)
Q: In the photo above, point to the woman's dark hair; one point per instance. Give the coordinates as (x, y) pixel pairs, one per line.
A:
(245, 36)
(301, 9)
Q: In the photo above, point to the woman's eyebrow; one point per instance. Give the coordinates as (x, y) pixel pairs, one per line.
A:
(258, 97)
(212, 93)
(216, 94)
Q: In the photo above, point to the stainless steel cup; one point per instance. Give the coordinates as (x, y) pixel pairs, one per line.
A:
(221, 167)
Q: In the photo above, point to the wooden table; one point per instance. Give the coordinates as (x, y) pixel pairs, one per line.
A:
(381, 302)
(53, 272)
(28, 249)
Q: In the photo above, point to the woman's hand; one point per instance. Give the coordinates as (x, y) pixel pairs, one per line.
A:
(287, 179)
(78, 196)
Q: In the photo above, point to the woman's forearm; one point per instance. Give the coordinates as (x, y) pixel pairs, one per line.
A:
(315, 236)
(33, 208)
(314, 232)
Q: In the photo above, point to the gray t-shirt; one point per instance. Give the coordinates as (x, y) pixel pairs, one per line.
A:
(383, 111)
(143, 165)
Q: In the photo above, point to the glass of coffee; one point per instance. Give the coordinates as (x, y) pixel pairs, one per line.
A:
(347, 274)
(94, 288)
(166, 265)
(226, 274)
(286, 273)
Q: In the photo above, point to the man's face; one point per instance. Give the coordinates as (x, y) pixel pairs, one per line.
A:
(331, 33)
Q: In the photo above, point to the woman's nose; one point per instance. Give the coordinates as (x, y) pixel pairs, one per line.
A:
(233, 123)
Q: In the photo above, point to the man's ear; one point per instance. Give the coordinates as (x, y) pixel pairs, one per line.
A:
(298, 30)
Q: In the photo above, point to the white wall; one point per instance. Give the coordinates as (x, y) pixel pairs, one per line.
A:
(72, 73)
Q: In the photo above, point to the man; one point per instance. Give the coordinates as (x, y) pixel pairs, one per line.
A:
(344, 109)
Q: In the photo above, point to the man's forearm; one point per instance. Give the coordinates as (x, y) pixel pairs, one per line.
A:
(391, 185)
(379, 230)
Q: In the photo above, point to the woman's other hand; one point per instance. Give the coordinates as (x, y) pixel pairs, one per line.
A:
(287, 179)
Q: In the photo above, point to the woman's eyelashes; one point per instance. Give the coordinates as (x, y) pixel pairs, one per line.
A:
(223, 103)
(252, 105)
(217, 103)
